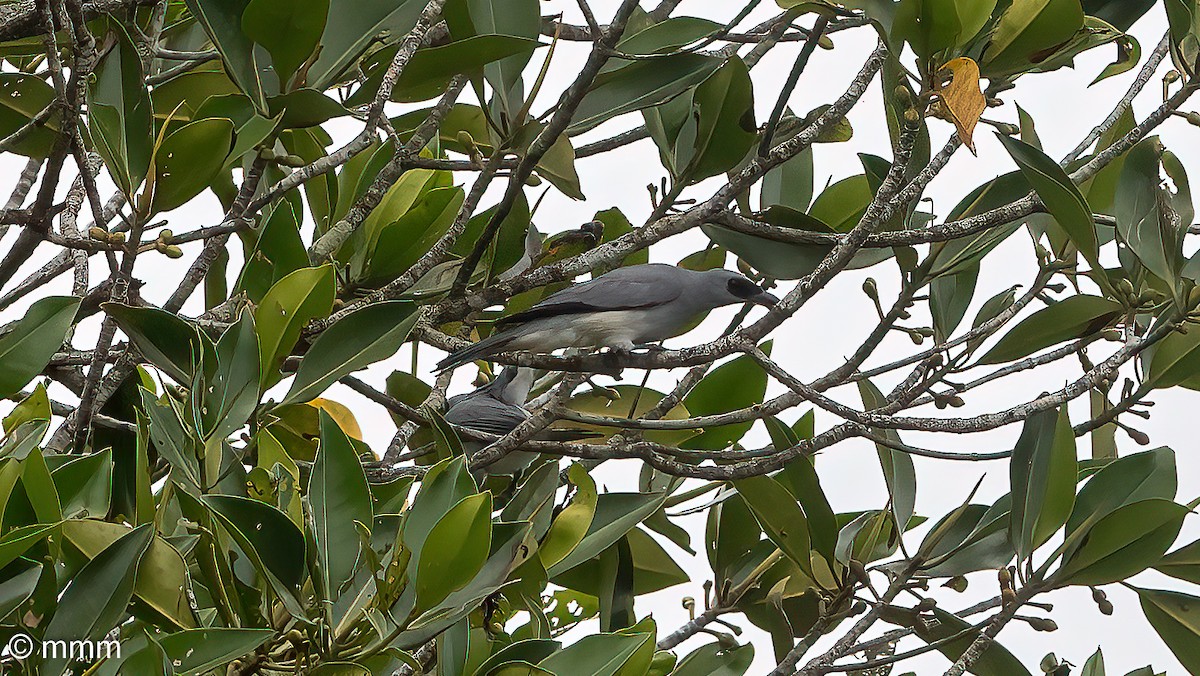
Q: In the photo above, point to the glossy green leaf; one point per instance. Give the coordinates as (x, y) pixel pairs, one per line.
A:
(268, 537)
(1026, 28)
(898, 470)
(572, 523)
(232, 392)
(188, 160)
(198, 651)
(95, 600)
(1061, 197)
(84, 485)
(22, 98)
(34, 407)
(616, 514)
(119, 114)
(651, 568)
(1131, 478)
(714, 659)
(1139, 208)
(455, 550)
(289, 30)
(596, 655)
(930, 26)
(1074, 317)
(33, 339)
(338, 497)
(1042, 476)
(303, 295)
(724, 127)
(352, 26)
(1127, 541)
(164, 339)
(736, 384)
(162, 575)
(639, 85)
(1176, 618)
(363, 337)
(246, 66)
(779, 516)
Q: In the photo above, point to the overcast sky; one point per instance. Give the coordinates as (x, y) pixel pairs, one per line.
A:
(826, 330)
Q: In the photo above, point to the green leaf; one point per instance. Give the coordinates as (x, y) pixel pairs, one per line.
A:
(188, 160)
(1139, 209)
(36, 406)
(95, 600)
(1122, 14)
(232, 392)
(572, 523)
(963, 253)
(898, 470)
(780, 518)
(246, 66)
(268, 537)
(22, 98)
(18, 588)
(363, 337)
(84, 485)
(432, 68)
(715, 659)
(18, 540)
(595, 402)
(651, 568)
(455, 550)
(1074, 317)
(278, 252)
(1183, 18)
(949, 298)
(1042, 476)
(199, 651)
(1095, 665)
(33, 339)
(1127, 541)
(641, 84)
(520, 18)
(352, 26)
(736, 384)
(1026, 28)
(1129, 479)
(731, 534)
(1183, 563)
(790, 184)
(119, 114)
(616, 514)
(724, 122)
(445, 485)
(291, 303)
(1176, 618)
(595, 655)
(995, 659)
(930, 26)
(1061, 197)
(290, 30)
(402, 242)
(164, 339)
(162, 575)
(304, 107)
(338, 497)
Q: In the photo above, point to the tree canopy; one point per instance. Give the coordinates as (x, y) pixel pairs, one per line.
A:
(182, 469)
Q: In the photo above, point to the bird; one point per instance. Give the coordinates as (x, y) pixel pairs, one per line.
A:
(497, 408)
(626, 308)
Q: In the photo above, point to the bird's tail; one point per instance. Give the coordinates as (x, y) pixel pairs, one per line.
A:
(488, 346)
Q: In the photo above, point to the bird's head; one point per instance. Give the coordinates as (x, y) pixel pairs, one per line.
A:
(733, 287)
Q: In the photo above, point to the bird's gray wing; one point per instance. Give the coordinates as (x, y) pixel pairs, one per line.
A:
(607, 293)
(485, 414)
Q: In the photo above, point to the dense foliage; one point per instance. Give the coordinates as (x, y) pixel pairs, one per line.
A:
(172, 476)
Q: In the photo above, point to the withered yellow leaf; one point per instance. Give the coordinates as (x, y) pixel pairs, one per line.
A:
(341, 415)
(963, 99)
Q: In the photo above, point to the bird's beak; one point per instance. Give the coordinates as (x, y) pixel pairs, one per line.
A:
(764, 298)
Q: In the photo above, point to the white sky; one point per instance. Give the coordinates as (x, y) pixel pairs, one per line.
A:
(824, 332)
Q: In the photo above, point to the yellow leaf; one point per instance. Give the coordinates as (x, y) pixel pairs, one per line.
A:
(962, 99)
(341, 415)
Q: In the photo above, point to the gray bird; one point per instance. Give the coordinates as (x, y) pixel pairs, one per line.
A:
(496, 408)
(626, 308)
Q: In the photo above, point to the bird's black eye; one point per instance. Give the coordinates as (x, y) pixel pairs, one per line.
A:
(743, 288)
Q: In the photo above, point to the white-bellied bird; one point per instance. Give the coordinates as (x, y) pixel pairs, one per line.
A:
(623, 309)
